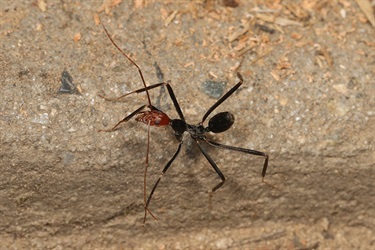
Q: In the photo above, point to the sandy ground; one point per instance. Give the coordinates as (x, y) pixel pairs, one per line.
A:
(307, 100)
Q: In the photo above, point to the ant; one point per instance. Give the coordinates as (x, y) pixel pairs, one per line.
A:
(219, 123)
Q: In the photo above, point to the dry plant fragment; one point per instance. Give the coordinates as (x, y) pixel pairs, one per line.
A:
(42, 5)
(326, 55)
(366, 8)
(170, 18)
(107, 5)
(77, 37)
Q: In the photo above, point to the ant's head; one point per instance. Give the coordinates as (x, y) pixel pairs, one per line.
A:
(220, 122)
(179, 126)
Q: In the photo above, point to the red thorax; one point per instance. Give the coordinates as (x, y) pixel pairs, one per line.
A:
(154, 118)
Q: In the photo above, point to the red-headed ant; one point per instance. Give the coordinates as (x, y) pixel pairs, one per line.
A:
(220, 122)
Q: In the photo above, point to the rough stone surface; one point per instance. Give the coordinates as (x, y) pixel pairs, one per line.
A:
(307, 100)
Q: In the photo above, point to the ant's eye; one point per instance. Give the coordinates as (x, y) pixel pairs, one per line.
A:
(221, 122)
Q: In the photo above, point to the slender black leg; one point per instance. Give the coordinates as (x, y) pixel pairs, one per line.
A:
(224, 97)
(146, 88)
(170, 91)
(244, 150)
(133, 92)
(123, 120)
(161, 175)
(171, 94)
(213, 164)
(175, 103)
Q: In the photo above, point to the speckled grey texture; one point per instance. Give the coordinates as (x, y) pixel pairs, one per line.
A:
(64, 185)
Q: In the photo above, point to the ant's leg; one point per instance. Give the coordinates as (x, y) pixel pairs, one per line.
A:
(139, 69)
(135, 91)
(161, 175)
(123, 120)
(174, 100)
(147, 155)
(213, 164)
(171, 94)
(224, 97)
(170, 91)
(145, 173)
(244, 150)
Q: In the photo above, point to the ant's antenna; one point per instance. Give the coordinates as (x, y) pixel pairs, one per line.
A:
(139, 69)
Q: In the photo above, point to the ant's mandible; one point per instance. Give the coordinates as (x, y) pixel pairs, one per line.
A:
(220, 122)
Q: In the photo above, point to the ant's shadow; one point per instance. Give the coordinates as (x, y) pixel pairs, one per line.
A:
(192, 152)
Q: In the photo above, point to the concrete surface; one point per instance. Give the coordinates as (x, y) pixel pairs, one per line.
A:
(308, 101)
